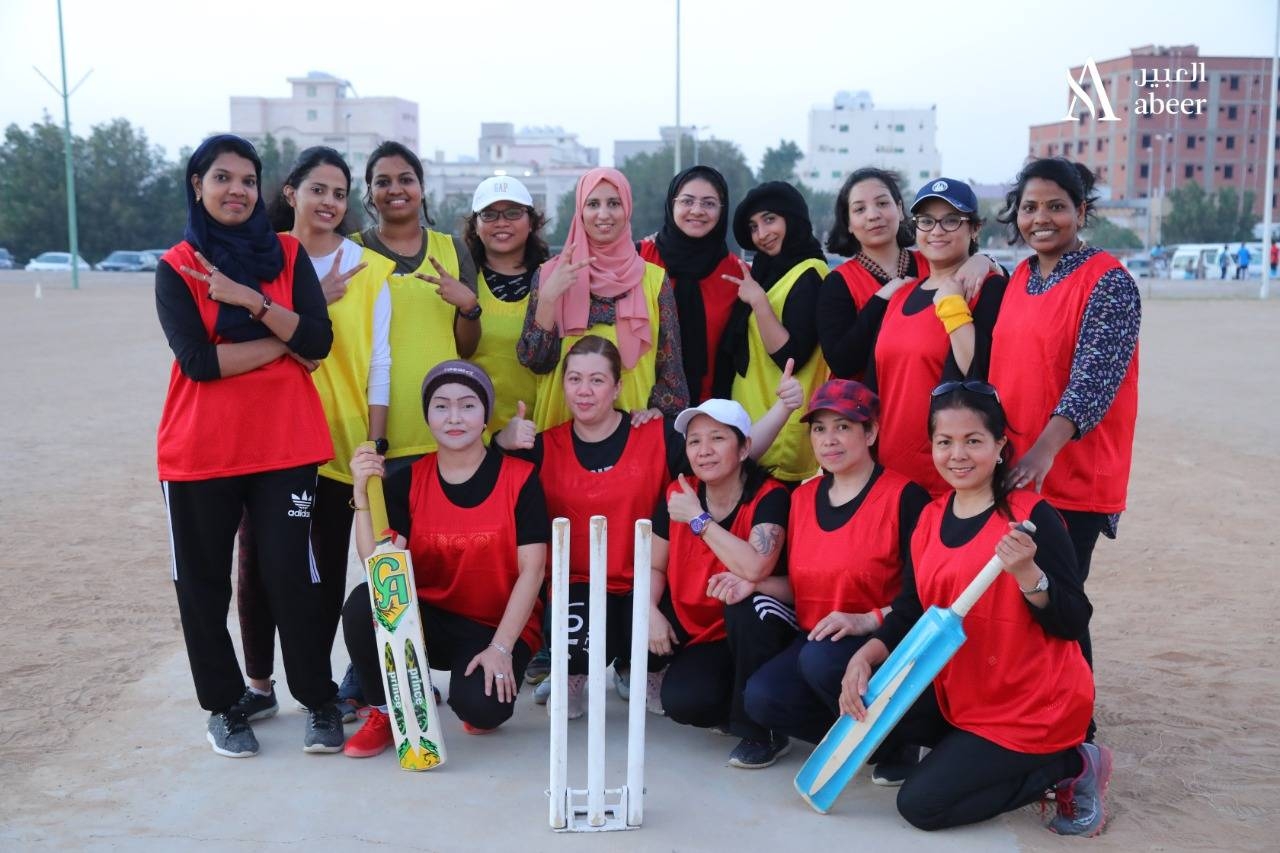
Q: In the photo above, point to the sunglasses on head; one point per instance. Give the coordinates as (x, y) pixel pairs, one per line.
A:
(973, 385)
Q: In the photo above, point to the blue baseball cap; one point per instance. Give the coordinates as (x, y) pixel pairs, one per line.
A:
(958, 194)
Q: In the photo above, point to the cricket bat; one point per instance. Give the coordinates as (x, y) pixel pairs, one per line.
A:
(894, 688)
(398, 629)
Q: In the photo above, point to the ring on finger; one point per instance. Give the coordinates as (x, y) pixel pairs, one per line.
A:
(499, 675)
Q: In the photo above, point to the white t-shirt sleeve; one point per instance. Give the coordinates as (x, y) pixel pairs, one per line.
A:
(380, 364)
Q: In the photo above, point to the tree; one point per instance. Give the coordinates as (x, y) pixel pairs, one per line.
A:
(33, 191)
(449, 213)
(565, 211)
(1197, 217)
(1106, 234)
(779, 164)
(127, 193)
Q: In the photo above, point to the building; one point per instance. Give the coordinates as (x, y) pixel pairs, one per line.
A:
(625, 149)
(1166, 116)
(852, 133)
(321, 111)
(547, 160)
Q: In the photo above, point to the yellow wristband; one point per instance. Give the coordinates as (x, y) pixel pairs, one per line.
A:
(953, 312)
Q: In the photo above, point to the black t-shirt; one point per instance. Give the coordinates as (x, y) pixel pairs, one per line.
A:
(599, 456)
(772, 509)
(508, 288)
(910, 504)
(533, 527)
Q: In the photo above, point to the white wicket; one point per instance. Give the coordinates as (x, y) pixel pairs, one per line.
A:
(597, 808)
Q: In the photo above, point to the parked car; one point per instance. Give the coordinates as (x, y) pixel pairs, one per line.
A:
(7, 260)
(121, 261)
(56, 261)
(156, 255)
(1139, 266)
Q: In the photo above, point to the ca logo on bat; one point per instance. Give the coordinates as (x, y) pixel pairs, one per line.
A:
(390, 576)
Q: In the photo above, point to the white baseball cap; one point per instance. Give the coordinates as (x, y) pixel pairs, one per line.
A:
(728, 412)
(500, 188)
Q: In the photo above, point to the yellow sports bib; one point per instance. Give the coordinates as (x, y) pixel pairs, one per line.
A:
(790, 455)
(637, 383)
(500, 325)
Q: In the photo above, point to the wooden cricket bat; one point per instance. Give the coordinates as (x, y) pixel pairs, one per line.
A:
(398, 629)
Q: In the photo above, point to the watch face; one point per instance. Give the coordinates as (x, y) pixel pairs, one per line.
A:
(699, 524)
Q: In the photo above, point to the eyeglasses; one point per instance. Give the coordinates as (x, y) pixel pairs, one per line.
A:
(950, 222)
(973, 385)
(688, 202)
(511, 214)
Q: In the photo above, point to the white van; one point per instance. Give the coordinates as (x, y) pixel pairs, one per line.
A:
(1198, 261)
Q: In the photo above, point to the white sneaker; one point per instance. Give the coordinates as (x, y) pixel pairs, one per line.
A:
(577, 694)
(653, 693)
(542, 692)
(622, 683)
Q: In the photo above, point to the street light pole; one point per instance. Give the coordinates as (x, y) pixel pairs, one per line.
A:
(72, 228)
(1165, 139)
(678, 140)
(1270, 186)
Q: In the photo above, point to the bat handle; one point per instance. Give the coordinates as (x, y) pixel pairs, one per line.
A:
(377, 504)
(985, 578)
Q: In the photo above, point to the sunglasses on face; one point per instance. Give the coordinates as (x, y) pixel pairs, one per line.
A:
(511, 214)
(950, 222)
(973, 385)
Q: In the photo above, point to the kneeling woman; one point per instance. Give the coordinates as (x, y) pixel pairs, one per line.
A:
(849, 530)
(476, 524)
(1006, 719)
(716, 543)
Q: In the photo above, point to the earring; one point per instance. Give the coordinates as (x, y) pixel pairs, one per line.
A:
(197, 198)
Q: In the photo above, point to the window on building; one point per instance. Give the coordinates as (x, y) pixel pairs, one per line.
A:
(1099, 147)
(311, 91)
(1228, 172)
(899, 128)
(1189, 172)
(837, 174)
(1235, 82)
(1146, 140)
(842, 151)
(1143, 171)
(1231, 143)
(1079, 146)
(1191, 142)
(311, 115)
(1195, 84)
(844, 128)
(924, 174)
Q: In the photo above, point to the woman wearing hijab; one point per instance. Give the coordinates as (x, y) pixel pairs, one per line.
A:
(600, 285)
(243, 429)
(776, 318)
(691, 248)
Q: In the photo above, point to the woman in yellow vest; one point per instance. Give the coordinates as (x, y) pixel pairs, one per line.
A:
(436, 314)
(502, 237)
(600, 285)
(776, 318)
(354, 384)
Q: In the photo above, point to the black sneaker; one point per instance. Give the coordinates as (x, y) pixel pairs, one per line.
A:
(324, 729)
(754, 754)
(893, 771)
(254, 706)
(229, 734)
(539, 667)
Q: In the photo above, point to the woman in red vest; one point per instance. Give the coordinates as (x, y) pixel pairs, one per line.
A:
(871, 229)
(928, 331)
(606, 462)
(691, 248)
(475, 522)
(715, 617)
(243, 430)
(1007, 717)
(1064, 353)
(848, 533)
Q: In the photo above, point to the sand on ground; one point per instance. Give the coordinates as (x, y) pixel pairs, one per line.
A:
(1184, 631)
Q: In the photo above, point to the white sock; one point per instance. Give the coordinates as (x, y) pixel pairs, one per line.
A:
(382, 708)
(258, 692)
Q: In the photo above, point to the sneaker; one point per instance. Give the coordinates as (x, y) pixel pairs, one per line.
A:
(350, 697)
(653, 693)
(324, 729)
(893, 771)
(577, 696)
(373, 737)
(622, 682)
(475, 730)
(542, 692)
(255, 706)
(348, 709)
(539, 668)
(1081, 808)
(754, 754)
(229, 734)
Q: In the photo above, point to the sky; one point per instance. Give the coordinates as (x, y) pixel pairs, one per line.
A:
(604, 69)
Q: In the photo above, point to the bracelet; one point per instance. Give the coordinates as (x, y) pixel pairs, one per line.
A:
(875, 611)
(351, 502)
(496, 645)
(266, 303)
(954, 312)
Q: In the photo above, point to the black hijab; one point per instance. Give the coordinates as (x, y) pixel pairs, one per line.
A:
(248, 253)
(688, 261)
(798, 245)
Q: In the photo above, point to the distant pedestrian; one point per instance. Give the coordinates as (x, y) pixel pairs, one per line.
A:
(1275, 256)
(1224, 259)
(1242, 261)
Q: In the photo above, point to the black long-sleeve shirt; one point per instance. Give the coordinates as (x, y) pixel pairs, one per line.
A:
(197, 356)
(1068, 611)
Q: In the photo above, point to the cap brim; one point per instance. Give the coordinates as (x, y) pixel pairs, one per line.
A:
(947, 199)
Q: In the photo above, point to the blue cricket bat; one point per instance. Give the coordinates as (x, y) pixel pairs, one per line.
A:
(896, 685)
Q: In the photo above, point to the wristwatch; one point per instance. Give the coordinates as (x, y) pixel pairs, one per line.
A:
(266, 303)
(473, 314)
(698, 524)
(1042, 585)
(380, 445)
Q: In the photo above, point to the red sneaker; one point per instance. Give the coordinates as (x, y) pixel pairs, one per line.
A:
(373, 738)
(473, 730)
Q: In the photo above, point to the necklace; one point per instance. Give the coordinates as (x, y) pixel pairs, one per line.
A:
(877, 271)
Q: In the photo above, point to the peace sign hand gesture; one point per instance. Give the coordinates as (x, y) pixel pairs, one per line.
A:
(561, 279)
(334, 284)
(450, 289)
(749, 290)
(221, 288)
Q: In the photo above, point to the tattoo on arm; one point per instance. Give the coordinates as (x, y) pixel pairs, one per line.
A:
(764, 538)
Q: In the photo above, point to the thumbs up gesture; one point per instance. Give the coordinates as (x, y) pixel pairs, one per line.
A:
(519, 433)
(683, 504)
(790, 391)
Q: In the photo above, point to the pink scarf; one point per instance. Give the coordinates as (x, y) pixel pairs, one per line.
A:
(617, 272)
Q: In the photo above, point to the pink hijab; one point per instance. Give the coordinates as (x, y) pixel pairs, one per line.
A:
(617, 272)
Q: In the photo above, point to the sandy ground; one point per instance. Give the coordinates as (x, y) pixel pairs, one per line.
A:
(101, 741)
